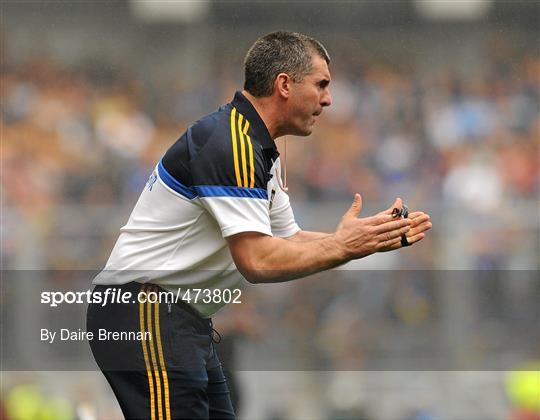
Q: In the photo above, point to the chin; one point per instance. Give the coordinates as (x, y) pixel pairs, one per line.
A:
(300, 131)
(304, 131)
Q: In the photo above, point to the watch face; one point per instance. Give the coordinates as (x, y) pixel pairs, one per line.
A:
(405, 211)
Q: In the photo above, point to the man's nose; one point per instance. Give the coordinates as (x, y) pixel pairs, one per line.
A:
(326, 99)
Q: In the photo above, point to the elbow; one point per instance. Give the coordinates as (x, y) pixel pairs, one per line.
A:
(252, 255)
(255, 274)
(253, 279)
(252, 275)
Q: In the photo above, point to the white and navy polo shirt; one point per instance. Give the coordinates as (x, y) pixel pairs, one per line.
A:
(220, 178)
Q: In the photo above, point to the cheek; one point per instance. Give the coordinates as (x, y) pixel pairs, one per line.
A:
(314, 97)
(309, 98)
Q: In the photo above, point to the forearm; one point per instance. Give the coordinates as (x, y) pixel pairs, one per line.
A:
(306, 235)
(274, 259)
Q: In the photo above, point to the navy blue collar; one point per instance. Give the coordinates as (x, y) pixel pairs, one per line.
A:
(242, 104)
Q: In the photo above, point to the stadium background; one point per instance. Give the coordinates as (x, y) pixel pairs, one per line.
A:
(439, 105)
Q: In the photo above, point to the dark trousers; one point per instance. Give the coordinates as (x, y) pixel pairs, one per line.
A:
(167, 368)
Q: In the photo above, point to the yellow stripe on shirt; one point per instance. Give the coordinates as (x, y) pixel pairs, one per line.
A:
(243, 149)
(234, 147)
(251, 163)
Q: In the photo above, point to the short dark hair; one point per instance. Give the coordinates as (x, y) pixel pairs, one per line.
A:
(279, 52)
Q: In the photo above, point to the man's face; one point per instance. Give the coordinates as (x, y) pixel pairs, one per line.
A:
(308, 98)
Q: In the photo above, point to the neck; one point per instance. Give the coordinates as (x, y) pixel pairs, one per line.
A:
(268, 111)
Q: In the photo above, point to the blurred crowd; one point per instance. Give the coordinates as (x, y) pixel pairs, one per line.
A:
(81, 138)
(90, 136)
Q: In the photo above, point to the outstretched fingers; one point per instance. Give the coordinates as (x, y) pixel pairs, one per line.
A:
(419, 217)
(421, 227)
(415, 238)
(396, 233)
(416, 233)
(390, 238)
(390, 244)
(416, 217)
(379, 219)
(415, 214)
(392, 225)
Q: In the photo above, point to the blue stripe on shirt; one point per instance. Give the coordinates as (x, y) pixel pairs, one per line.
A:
(209, 190)
(227, 191)
(174, 184)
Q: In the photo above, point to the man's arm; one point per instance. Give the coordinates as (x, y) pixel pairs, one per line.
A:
(306, 235)
(266, 259)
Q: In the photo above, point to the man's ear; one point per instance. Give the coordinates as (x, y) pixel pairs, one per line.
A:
(282, 85)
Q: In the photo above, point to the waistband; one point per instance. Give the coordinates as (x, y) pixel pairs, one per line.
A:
(134, 288)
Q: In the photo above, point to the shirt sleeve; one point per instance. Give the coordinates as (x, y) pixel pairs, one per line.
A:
(282, 216)
(229, 178)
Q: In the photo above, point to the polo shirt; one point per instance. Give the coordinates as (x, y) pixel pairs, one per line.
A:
(220, 178)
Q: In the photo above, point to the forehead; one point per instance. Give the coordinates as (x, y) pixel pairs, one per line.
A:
(319, 68)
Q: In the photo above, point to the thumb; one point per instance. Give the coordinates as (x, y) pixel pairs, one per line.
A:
(397, 204)
(356, 206)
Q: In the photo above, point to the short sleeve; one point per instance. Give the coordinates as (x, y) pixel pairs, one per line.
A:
(282, 216)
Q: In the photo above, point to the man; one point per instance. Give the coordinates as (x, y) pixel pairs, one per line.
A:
(214, 207)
